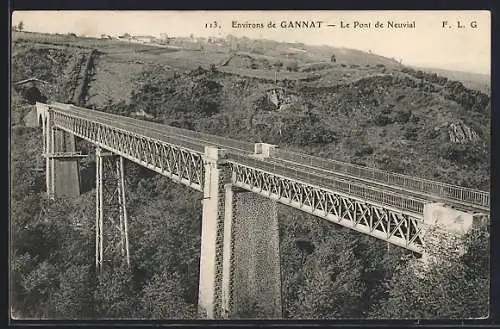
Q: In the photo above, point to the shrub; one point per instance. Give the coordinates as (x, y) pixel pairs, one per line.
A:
(277, 63)
(382, 120)
(292, 66)
(365, 150)
(411, 133)
(464, 154)
(386, 110)
(414, 119)
(403, 116)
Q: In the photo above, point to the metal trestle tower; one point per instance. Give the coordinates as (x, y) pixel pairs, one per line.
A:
(111, 213)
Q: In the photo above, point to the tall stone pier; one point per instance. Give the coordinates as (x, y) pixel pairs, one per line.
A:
(444, 229)
(212, 234)
(66, 170)
(255, 283)
(62, 170)
(240, 260)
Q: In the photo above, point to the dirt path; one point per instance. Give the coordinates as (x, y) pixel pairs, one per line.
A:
(83, 78)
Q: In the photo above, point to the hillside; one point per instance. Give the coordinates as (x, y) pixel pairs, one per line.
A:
(386, 108)
(477, 81)
(361, 108)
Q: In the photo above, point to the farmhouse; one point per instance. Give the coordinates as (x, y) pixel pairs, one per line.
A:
(143, 38)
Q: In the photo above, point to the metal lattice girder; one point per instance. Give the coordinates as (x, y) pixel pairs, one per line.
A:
(111, 213)
(377, 210)
(65, 155)
(476, 198)
(386, 223)
(179, 163)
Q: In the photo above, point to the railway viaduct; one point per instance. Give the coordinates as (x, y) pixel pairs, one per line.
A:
(242, 183)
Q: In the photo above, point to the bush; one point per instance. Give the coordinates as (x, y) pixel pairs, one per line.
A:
(382, 120)
(278, 63)
(411, 131)
(403, 116)
(466, 155)
(365, 150)
(292, 66)
(414, 119)
(432, 134)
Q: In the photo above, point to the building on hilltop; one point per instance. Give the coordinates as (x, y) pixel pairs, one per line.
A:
(143, 38)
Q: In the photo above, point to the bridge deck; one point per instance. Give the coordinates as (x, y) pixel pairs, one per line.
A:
(327, 173)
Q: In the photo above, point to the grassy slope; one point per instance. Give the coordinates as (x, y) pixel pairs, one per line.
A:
(347, 97)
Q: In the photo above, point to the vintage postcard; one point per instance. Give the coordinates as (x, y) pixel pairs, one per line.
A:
(250, 165)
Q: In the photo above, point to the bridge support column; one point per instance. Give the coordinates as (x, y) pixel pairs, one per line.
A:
(240, 260)
(62, 174)
(111, 212)
(212, 234)
(252, 270)
(444, 229)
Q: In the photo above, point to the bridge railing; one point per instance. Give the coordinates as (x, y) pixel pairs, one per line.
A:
(439, 189)
(166, 155)
(127, 128)
(453, 192)
(368, 193)
(212, 139)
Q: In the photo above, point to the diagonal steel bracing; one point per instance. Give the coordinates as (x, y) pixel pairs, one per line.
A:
(386, 223)
(112, 245)
(181, 164)
(375, 210)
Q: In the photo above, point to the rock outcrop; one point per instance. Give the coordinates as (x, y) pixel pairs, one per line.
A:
(281, 98)
(462, 134)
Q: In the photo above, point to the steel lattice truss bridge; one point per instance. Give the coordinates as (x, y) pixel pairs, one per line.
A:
(393, 207)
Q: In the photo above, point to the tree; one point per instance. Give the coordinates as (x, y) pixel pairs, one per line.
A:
(450, 289)
(114, 295)
(74, 298)
(37, 287)
(161, 299)
(20, 26)
(332, 281)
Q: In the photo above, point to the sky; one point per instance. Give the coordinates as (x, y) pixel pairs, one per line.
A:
(431, 43)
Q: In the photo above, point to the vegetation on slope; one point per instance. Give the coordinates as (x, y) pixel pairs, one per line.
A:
(328, 271)
(399, 122)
